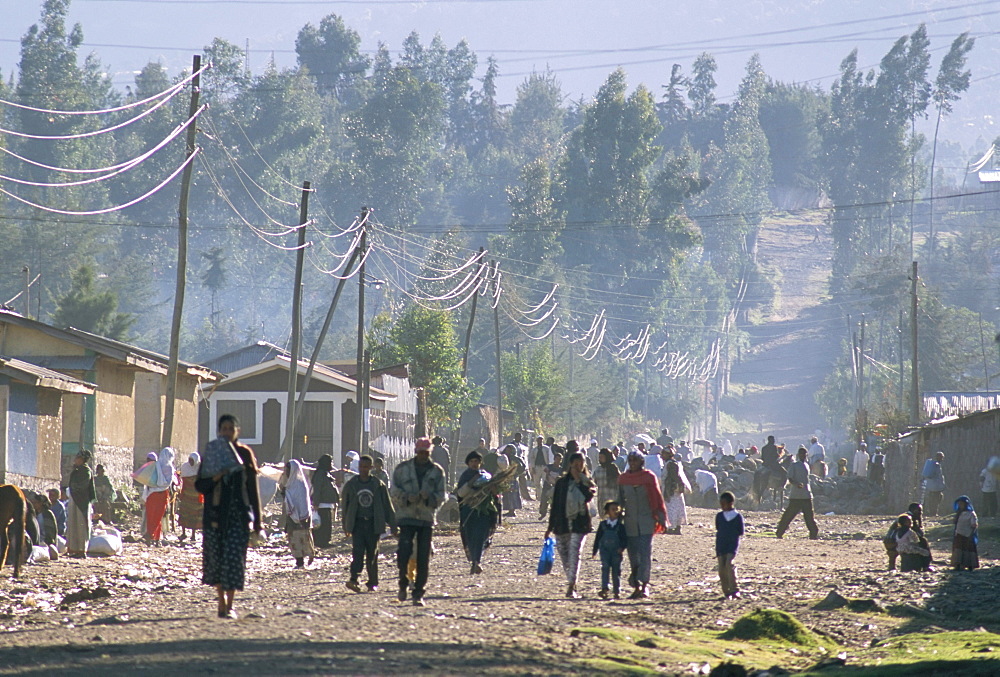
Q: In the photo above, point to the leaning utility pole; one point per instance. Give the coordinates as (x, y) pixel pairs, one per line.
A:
(288, 444)
(915, 404)
(359, 392)
(304, 388)
(496, 332)
(465, 357)
(182, 241)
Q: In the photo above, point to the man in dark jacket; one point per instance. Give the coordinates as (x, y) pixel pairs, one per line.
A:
(367, 509)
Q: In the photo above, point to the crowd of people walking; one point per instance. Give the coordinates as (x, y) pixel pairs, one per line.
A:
(623, 496)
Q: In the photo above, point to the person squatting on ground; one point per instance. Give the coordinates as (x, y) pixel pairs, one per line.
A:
(417, 492)
(298, 514)
(645, 515)
(799, 497)
(729, 528)
(964, 554)
(611, 542)
(569, 518)
(366, 512)
(913, 553)
(478, 522)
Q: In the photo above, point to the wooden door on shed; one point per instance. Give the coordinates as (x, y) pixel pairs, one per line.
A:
(315, 431)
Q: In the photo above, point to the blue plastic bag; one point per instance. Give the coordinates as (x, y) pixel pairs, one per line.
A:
(548, 556)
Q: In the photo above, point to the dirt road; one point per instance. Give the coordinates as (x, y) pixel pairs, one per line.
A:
(157, 618)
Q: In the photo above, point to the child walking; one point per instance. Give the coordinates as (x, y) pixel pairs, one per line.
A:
(728, 531)
(964, 554)
(611, 542)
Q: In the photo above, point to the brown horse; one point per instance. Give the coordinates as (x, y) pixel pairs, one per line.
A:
(13, 516)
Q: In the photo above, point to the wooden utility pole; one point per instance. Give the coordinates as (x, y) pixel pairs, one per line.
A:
(304, 388)
(288, 444)
(359, 392)
(182, 243)
(915, 404)
(457, 448)
(366, 381)
(27, 290)
(496, 333)
(899, 330)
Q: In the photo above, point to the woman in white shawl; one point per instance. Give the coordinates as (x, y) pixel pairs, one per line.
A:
(190, 501)
(159, 494)
(298, 514)
(675, 485)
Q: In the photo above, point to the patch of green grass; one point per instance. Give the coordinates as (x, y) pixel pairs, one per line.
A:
(638, 649)
(941, 653)
(773, 625)
(606, 666)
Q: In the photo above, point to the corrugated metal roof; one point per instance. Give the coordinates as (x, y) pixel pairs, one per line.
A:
(116, 350)
(39, 376)
(244, 357)
(989, 176)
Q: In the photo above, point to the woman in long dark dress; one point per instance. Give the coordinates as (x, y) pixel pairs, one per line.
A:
(477, 523)
(228, 479)
(325, 497)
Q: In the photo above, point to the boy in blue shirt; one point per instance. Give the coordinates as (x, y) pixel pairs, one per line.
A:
(728, 531)
(611, 542)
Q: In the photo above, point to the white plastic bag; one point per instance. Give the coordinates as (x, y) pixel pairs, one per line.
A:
(39, 553)
(61, 545)
(105, 541)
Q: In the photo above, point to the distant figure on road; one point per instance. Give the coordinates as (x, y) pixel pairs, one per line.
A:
(298, 514)
(988, 486)
(817, 458)
(861, 458)
(799, 497)
(440, 455)
(771, 455)
(934, 484)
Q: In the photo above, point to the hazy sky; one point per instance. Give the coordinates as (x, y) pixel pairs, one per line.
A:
(580, 40)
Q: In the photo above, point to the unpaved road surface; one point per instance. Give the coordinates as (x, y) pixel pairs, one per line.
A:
(159, 619)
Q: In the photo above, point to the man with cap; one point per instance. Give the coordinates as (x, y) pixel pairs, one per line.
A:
(418, 490)
(645, 515)
(592, 453)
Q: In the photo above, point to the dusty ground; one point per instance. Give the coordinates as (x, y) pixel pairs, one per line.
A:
(159, 619)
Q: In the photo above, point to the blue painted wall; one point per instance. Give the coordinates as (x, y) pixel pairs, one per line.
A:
(22, 430)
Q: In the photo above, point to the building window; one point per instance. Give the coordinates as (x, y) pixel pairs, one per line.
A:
(245, 411)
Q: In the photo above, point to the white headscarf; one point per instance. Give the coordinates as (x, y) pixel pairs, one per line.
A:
(190, 469)
(164, 470)
(297, 500)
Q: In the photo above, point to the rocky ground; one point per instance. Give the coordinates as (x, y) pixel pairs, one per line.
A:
(145, 612)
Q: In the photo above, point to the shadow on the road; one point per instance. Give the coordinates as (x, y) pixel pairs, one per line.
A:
(244, 656)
